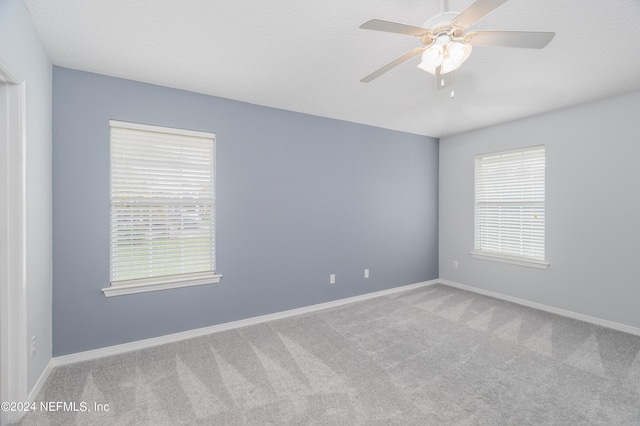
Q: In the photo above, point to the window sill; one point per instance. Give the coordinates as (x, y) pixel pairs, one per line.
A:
(156, 284)
(511, 260)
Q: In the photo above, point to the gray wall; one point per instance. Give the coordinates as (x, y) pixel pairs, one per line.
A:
(23, 51)
(298, 197)
(592, 206)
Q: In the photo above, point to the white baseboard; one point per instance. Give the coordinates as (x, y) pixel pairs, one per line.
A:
(43, 378)
(569, 314)
(176, 337)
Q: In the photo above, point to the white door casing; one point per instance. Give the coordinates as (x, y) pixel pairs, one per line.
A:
(13, 328)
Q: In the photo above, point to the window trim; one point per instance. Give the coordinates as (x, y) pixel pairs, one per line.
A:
(501, 257)
(160, 283)
(143, 285)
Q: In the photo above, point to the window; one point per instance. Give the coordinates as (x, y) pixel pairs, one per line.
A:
(162, 208)
(509, 207)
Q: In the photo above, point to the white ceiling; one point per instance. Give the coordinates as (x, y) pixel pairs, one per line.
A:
(309, 56)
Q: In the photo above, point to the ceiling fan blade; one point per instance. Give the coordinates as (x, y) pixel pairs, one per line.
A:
(377, 73)
(475, 12)
(524, 39)
(394, 27)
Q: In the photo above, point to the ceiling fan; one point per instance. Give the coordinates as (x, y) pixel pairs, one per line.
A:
(446, 42)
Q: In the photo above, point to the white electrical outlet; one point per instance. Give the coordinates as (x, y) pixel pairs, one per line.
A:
(366, 273)
(332, 279)
(455, 264)
(33, 345)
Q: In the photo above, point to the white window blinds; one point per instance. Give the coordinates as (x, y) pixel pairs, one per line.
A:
(510, 204)
(162, 204)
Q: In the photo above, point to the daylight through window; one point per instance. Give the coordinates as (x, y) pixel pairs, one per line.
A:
(162, 205)
(510, 205)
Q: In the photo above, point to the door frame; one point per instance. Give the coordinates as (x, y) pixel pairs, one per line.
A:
(13, 283)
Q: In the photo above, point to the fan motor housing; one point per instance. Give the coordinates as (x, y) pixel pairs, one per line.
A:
(442, 24)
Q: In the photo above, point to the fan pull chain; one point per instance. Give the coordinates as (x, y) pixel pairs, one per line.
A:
(453, 82)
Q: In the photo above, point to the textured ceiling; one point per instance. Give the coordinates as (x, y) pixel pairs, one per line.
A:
(309, 56)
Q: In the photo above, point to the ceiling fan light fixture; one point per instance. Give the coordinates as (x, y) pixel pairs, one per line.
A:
(432, 58)
(459, 52)
(449, 56)
(455, 55)
(447, 65)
